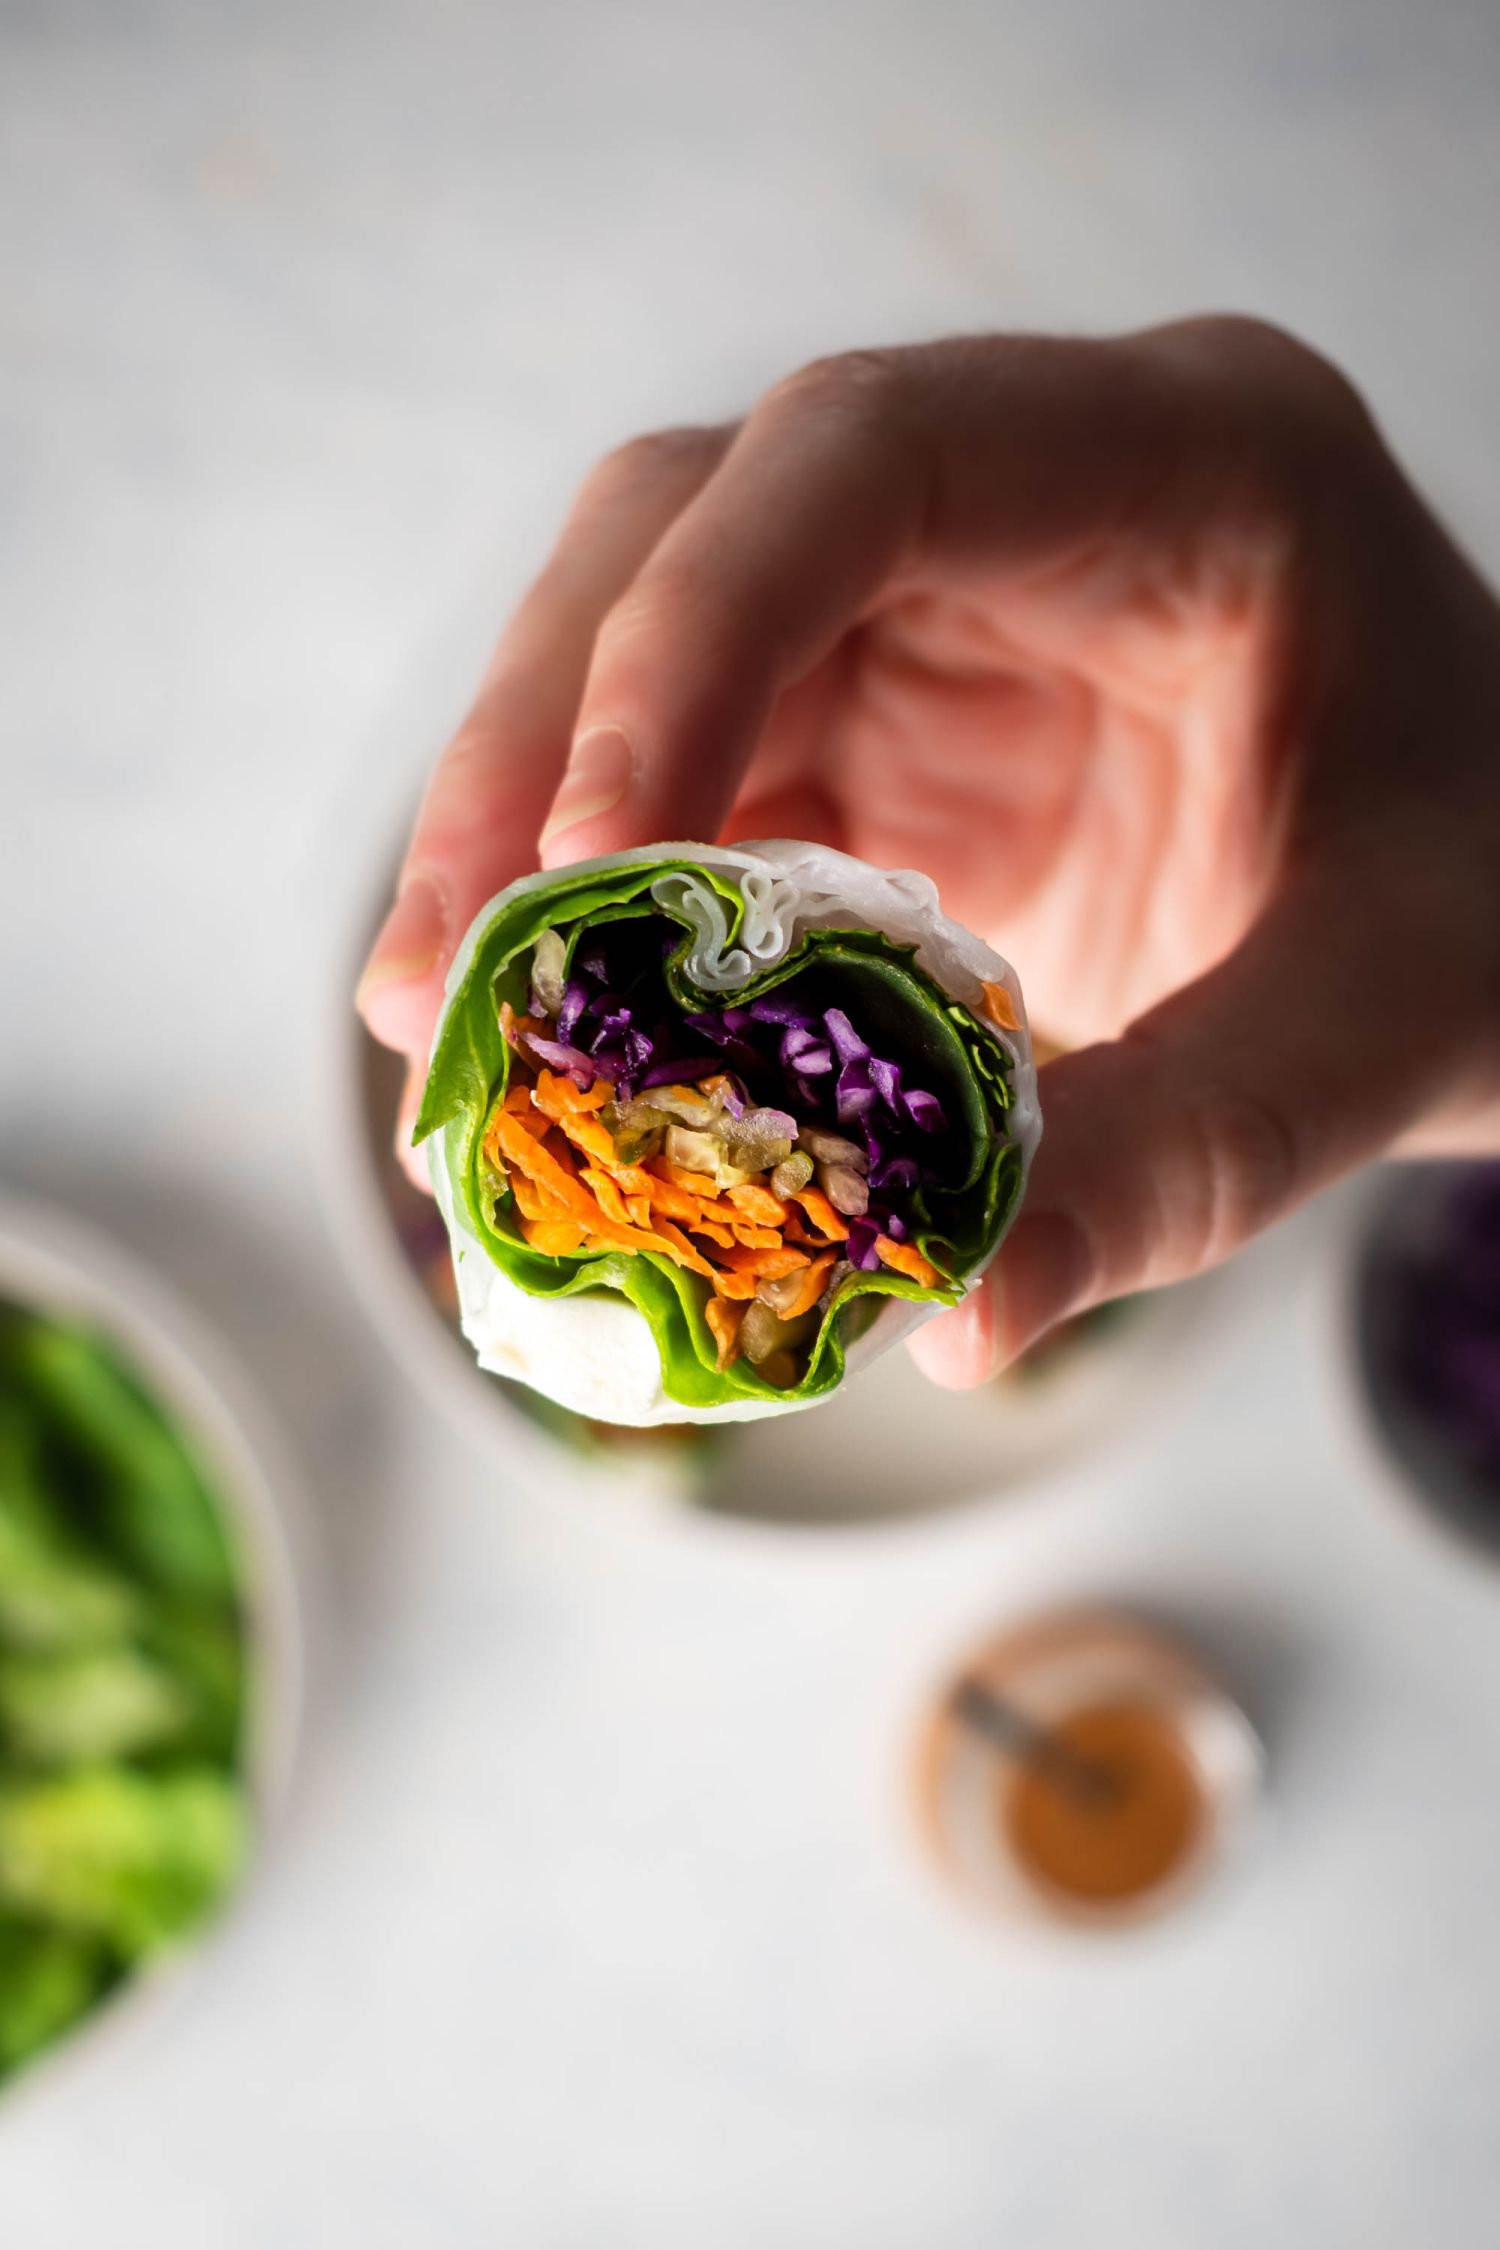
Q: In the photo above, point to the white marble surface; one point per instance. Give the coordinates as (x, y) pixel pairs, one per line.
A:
(594, 1924)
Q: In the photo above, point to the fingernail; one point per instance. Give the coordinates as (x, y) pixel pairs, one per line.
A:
(598, 776)
(411, 939)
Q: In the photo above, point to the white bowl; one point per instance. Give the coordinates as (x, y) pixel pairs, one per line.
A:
(887, 1446)
(50, 1263)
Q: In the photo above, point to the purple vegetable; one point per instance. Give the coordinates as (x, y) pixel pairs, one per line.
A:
(558, 1056)
(847, 1043)
(716, 1028)
(611, 1063)
(1448, 1320)
(886, 1079)
(861, 1245)
(686, 1072)
(783, 1012)
(898, 1175)
(817, 1062)
(575, 1000)
(855, 1095)
(925, 1110)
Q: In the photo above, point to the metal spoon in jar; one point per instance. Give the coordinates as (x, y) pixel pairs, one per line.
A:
(1032, 1744)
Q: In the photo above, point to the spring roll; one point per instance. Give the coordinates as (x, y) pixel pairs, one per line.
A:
(712, 1127)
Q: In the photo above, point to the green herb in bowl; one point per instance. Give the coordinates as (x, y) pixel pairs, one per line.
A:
(123, 1796)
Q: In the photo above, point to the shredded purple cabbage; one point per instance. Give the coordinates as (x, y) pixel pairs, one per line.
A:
(772, 1010)
(685, 1072)
(924, 1110)
(1447, 1306)
(885, 1077)
(558, 1055)
(848, 1045)
(617, 1022)
(575, 1000)
(861, 1244)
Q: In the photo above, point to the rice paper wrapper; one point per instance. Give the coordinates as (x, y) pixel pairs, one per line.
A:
(594, 1352)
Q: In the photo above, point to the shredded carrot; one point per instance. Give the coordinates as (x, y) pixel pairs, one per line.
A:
(589, 1135)
(558, 1097)
(672, 1202)
(822, 1214)
(607, 1196)
(758, 1204)
(767, 1265)
(529, 1156)
(664, 1236)
(757, 1238)
(511, 1024)
(691, 1183)
(574, 1195)
(534, 1202)
(557, 1238)
(724, 1326)
(901, 1257)
(810, 1287)
(735, 1285)
(1000, 1008)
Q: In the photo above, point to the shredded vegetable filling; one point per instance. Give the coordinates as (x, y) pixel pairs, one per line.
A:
(628, 1126)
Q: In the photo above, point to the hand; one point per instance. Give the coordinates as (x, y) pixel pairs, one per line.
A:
(1144, 650)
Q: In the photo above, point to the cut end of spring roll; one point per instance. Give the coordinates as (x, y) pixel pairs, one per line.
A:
(710, 1128)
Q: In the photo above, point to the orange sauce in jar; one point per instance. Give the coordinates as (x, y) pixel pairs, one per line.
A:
(1123, 1833)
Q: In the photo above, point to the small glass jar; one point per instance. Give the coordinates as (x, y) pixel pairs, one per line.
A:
(1136, 1787)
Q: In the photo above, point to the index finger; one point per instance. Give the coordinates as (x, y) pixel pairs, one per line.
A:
(477, 827)
(992, 455)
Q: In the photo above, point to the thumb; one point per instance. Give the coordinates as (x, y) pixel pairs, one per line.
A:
(1317, 1043)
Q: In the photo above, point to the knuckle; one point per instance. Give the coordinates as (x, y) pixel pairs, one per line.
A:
(1309, 414)
(652, 456)
(1246, 1162)
(865, 385)
(1227, 1160)
(669, 595)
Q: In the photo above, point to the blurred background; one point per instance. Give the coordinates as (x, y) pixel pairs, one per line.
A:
(595, 1914)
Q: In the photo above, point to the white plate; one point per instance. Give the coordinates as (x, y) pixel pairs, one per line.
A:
(50, 1263)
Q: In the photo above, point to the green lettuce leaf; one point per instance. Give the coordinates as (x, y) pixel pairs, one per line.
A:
(132, 1858)
(48, 1979)
(894, 1003)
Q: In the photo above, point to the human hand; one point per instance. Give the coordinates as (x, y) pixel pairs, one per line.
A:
(1147, 653)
